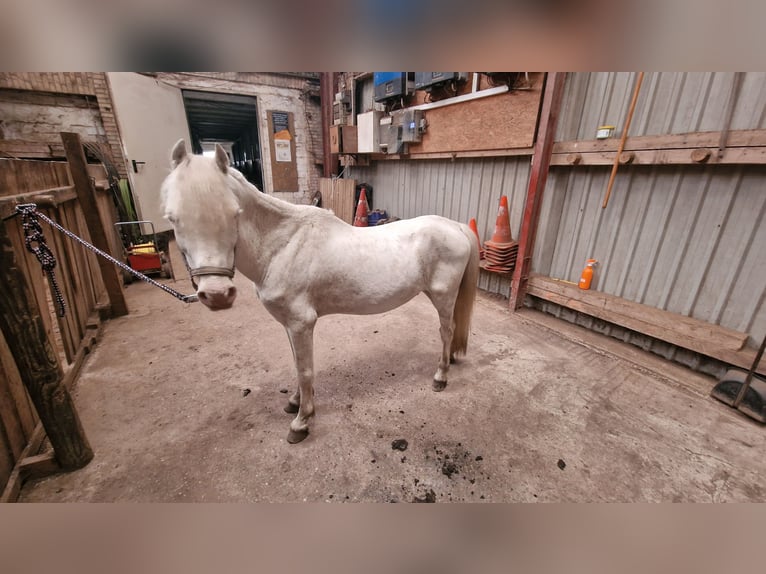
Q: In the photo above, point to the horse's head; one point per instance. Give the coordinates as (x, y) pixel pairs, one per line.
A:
(203, 210)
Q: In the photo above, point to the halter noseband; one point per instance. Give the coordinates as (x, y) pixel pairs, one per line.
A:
(201, 271)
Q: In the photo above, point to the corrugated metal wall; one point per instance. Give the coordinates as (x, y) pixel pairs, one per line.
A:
(459, 189)
(668, 103)
(686, 239)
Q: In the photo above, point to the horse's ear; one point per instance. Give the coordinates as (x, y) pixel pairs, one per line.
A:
(178, 153)
(221, 159)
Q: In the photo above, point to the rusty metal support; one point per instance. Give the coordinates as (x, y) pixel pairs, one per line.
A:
(327, 82)
(541, 160)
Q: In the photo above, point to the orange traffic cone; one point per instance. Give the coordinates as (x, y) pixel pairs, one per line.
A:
(362, 210)
(503, 223)
(472, 225)
(500, 252)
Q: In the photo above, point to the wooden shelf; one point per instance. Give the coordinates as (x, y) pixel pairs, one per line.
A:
(702, 337)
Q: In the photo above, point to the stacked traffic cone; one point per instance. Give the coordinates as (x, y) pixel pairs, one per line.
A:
(472, 225)
(500, 252)
(362, 210)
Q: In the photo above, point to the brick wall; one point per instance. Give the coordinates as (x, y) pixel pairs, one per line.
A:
(296, 93)
(90, 84)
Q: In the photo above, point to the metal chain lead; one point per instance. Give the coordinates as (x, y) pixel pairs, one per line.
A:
(29, 211)
(35, 242)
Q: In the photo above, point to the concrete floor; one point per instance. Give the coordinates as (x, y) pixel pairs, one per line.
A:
(183, 404)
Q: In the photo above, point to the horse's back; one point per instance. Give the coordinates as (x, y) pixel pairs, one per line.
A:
(375, 269)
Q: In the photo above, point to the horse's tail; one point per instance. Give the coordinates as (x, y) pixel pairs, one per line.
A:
(465, 297)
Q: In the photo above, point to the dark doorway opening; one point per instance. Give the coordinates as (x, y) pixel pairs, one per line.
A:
(232, 121)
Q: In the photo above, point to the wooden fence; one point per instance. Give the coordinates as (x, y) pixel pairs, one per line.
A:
(32, 395)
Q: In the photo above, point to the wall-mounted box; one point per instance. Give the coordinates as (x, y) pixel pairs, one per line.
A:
(392, 85)
(426, 80)
(335, 139)
(348, 139)
(368, 132)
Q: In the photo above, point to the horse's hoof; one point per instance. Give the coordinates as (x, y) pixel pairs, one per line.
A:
(439, 386)
(452, 360)
(291, 408)
(297, 436)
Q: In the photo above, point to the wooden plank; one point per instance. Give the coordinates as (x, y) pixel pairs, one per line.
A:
(693, 156)
(79, 304)
(18, 394)
(705, 338)
(32, 270)
(690, 140)
(7, 458)
(13, 486)
(11, 417)
(86, 194)
(23, 329)
(338, 196)
(284, 174)
(39, 465)
(70, 334)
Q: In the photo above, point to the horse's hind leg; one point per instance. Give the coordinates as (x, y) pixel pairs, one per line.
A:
(445, 306)
(302, 341)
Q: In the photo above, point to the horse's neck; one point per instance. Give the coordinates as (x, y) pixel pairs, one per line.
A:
(266, 225)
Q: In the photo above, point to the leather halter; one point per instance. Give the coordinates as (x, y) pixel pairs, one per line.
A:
(202, 271)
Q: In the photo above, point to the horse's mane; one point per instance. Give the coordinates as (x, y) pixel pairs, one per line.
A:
(200, 180)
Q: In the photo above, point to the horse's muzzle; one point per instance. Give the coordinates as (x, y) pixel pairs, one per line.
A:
(217, 295)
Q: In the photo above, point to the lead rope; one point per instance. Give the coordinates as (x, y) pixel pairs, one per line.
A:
(33, 234)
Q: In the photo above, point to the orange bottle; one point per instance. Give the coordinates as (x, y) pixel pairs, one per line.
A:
(587, 274)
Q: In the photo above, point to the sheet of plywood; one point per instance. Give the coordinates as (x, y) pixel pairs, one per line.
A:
(502, 121)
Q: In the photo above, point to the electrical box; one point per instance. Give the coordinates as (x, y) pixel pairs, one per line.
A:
(392, 85)
(368, 132)
(411, 122)
(343, 139)
(401, 127)
(427, 80)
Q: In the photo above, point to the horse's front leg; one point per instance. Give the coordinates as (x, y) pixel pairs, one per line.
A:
(302, 342)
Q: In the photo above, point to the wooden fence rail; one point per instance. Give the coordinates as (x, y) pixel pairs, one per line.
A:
(82, 281)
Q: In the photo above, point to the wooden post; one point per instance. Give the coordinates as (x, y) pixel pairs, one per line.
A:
(541, 161)
(24, 332)
(86, 195)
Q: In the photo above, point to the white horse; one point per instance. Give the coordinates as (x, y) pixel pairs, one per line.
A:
(305, 262)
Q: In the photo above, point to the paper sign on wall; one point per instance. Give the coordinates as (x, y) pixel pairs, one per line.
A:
(283, 150)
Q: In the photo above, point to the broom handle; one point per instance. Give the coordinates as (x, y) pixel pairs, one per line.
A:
(746, 384)
(622, 139)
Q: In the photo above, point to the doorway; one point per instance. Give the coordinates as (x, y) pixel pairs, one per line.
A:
(230, 120)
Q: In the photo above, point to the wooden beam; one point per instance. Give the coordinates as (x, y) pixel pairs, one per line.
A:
(724, 344)
(689, 140)
(13, 486)
(39, 465)
(504, 152)
(690, 156)
(87, 197)
(20, 149)
(551, 106)
(24, 332)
